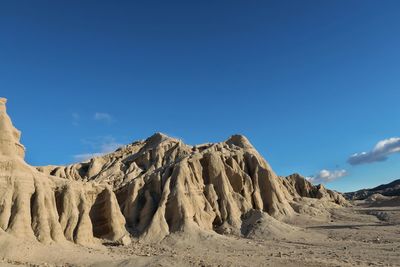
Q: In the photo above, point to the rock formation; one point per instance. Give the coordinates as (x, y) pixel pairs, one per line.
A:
(47, 208)
(152, 188)
(298, 186)
(164, 185)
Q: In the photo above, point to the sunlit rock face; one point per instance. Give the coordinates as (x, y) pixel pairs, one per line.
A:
(148, 190)
(9, 135)
(49, 209)
(164, 186)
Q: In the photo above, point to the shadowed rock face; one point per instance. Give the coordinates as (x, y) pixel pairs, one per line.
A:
(151, 187)
(49, 209)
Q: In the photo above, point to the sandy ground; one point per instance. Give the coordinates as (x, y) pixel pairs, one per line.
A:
(363, 235)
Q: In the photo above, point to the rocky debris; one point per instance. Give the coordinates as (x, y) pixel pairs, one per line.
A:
(259, 225)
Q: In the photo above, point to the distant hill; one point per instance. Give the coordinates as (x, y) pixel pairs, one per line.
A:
(390, 189)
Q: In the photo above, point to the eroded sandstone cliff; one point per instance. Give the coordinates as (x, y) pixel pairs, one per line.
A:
(34, 205)
(150, 188)
(164, 185)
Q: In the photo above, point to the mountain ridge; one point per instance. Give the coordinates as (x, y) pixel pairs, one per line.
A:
(390, 189)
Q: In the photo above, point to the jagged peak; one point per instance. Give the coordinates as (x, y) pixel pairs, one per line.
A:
(296, 176)
(239, 140)
(10, 137)
(3, 102)
(159, 137)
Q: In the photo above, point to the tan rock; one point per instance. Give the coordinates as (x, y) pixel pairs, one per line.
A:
(164, 186)
(152, 187)
(34, 205)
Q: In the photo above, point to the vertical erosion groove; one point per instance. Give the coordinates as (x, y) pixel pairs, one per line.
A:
(99, 215)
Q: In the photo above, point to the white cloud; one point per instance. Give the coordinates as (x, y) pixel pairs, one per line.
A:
(382, 150)
(85, 157)
(101, 116)
(326, 176)
(75, 118)
(101, 145)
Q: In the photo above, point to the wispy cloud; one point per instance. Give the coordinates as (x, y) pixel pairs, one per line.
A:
(382, 150)
(75, 118)
(326, 176)
(102, 116)
(87, 156)
(100, 145)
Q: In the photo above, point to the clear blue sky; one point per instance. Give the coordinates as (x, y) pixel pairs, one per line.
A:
(308, 82)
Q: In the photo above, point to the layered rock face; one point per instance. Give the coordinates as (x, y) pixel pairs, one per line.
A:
(164, 185)
(47, 208)
(150, 188)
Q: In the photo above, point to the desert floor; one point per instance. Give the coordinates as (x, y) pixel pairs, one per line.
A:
(362, 235)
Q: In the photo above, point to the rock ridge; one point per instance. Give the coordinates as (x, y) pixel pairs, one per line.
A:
(148, 190)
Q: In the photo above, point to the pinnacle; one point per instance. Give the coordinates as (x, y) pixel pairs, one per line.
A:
(158, 138)
(10, 145)
(239, 140)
